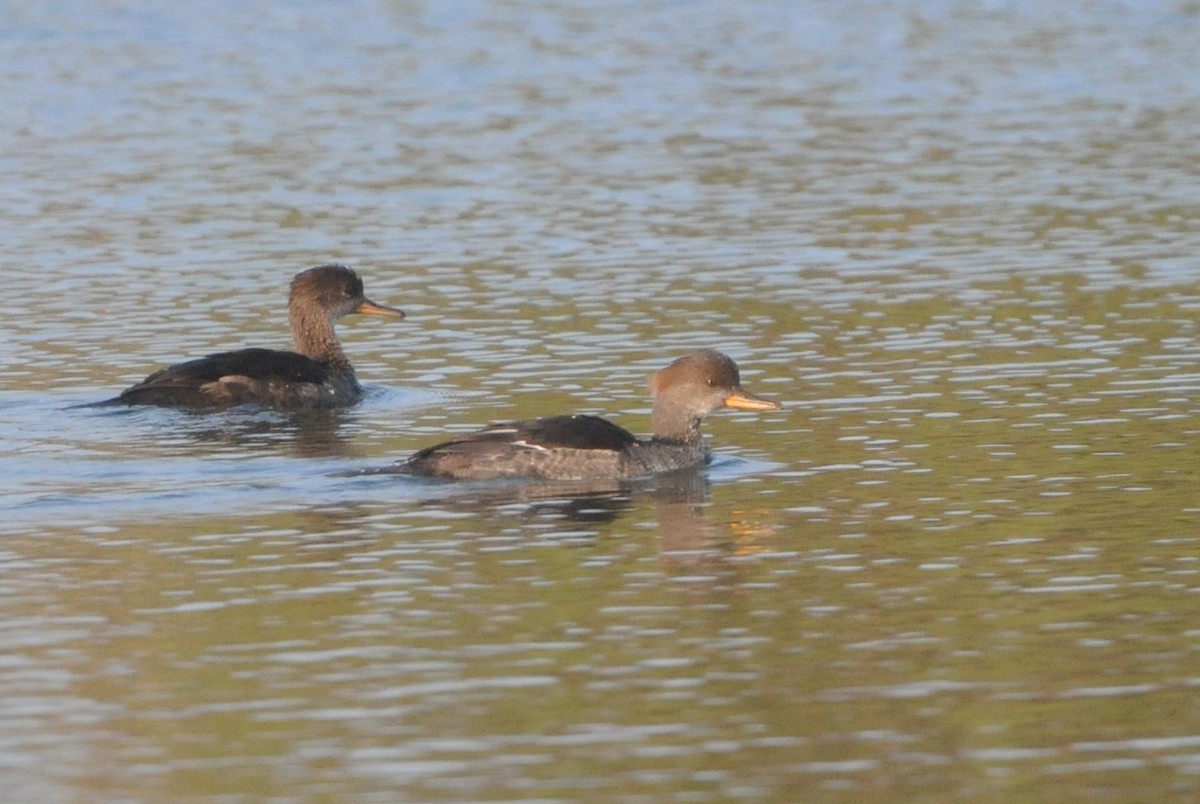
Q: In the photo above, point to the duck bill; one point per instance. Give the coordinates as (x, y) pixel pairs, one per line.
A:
(740, 400)
(369, 307)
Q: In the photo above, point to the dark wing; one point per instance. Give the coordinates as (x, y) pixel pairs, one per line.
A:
(568, 432)
(185, 383)
(557, 446)
(258, 364)
(552, 432)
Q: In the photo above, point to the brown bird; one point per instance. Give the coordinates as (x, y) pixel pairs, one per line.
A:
(317, 375)
(588, 447)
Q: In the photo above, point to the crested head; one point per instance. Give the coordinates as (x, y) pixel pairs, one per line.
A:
(694, 386)
(333, 289)
(706, 368)
(318, 297)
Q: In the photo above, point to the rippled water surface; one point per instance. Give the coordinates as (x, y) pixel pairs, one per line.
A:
(958, 240)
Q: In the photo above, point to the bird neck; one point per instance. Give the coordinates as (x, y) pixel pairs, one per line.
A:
(313, 336)
(672, 423)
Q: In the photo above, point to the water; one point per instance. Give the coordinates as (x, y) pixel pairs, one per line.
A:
(956, 240)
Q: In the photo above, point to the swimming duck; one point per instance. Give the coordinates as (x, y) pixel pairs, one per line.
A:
(317, 375)
(584, 447)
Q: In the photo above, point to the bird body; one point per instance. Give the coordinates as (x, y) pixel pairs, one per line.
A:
(317, 375)
(582, 447)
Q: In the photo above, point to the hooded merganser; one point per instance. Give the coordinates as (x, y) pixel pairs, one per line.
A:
(584, 447)
(317, 375)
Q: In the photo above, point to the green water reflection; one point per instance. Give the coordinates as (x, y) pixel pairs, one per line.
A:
(956, 242)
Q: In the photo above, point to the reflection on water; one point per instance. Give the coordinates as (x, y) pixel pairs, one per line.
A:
(957, 239)
(596, 501)
(678, 496)
(301, 434)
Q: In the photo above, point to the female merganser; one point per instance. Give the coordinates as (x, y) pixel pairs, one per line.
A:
(316, 375)
(585, 447)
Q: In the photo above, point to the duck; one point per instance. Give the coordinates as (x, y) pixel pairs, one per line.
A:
(317, 375)
(585, 447)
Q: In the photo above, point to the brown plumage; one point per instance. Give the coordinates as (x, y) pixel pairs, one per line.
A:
(317, 375)
(586, 447)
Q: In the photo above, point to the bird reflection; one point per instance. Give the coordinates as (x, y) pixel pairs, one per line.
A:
(302, 434)
(679, 499)
(579, 501)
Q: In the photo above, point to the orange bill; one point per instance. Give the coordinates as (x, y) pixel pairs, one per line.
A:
(369, 307)
(740, 400)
